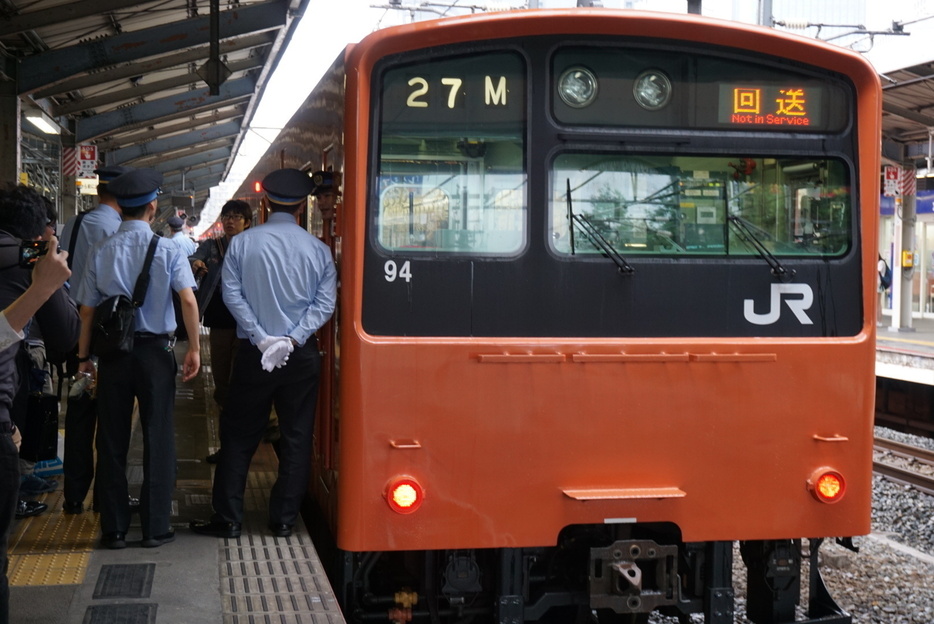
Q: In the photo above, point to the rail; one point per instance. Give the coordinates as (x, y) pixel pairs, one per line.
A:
(912, 465)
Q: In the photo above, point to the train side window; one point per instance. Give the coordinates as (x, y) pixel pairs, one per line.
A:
(684, 205)
(451, 169)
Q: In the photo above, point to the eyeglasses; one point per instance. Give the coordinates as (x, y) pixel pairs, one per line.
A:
(232, 217)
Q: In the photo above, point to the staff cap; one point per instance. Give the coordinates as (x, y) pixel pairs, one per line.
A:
(288, 186)
(324, 182)
(137, 187)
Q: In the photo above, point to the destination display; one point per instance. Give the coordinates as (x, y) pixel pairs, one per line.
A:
(790, 106)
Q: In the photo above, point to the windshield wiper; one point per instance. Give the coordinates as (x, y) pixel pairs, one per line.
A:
(595, 237)
(746, 233)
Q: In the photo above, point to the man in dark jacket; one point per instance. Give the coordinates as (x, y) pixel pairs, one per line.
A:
(22, 217)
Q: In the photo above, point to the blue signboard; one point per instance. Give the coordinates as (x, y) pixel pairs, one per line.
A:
(924, 204)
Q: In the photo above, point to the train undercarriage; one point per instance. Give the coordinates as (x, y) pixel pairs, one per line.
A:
(595, 575)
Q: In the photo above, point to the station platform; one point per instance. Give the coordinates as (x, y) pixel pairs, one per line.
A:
(906, 354)
(59, 574)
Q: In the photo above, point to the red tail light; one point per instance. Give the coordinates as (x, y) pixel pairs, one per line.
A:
(404, 495)
(827, 485)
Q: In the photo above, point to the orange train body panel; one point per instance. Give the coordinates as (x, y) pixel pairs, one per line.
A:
(739, 440)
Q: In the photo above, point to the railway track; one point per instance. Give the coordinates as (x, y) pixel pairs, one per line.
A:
(905, 464)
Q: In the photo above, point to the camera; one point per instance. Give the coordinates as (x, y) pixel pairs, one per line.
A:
(29, 252)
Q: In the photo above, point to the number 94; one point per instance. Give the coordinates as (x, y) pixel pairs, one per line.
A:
(392, 271)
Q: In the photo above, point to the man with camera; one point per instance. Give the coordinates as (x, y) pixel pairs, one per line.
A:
(24, 296)
(146, 369)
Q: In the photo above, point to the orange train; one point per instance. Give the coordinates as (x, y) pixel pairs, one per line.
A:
(607, 307)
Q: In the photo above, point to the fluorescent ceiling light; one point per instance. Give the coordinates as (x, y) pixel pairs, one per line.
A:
(41, 121)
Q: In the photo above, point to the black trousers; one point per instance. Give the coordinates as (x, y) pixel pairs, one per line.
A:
(148, 375)
(80, 425)
(9, 497)
(293, 389)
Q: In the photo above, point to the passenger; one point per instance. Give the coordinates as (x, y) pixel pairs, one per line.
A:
(147, 373)
(206, 262)
(280, 285)
(36, 402)
(25, 215)
(48, 275)
(179, 237)
(79, 236)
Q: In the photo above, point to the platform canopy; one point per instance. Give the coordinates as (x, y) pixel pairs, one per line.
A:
(167, 84)
(908, 116)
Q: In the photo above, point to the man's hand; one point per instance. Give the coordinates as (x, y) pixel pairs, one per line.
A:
(267, 342)
(191, 365)
(51, 270)
(277, 354)
(199, 268)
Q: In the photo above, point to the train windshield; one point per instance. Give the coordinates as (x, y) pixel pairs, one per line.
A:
(685, 205)
(452, 173)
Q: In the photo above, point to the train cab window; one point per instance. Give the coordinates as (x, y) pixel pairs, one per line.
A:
(451, 166)
(700, 205)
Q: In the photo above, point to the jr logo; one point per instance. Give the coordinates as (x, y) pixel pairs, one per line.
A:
(799, 298)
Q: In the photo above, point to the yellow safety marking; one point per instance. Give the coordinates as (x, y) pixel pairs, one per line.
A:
(57, 569)
(53, 548)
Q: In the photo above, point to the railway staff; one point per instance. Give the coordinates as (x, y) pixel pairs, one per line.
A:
(95, 225)
(147, 372)
(79, 236)
(280, 283)
(325, 194)
(177, 225)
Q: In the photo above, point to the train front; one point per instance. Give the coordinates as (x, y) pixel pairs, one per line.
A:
(608, 308)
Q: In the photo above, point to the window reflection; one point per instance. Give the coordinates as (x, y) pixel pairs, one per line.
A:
(664, 205)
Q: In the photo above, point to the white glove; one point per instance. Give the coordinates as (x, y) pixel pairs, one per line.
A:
(267, 342)
(276, 355)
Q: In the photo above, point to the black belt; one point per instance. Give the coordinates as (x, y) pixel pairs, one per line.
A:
(151, 336)
(311, 341)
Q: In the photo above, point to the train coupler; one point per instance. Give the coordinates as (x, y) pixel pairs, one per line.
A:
(633, 576)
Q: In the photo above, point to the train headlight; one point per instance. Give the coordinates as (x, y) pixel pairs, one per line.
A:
(404, 495)
(827, 485)
(652, 89)
(578, 87)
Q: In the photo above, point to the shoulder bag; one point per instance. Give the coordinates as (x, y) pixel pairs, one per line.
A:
(115, 317)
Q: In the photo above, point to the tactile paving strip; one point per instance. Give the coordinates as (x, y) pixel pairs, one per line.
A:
(54, 548)
(273, 579)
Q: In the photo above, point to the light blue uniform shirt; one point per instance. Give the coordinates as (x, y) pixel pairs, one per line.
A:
(116, 262)
(97, 225)
(279, 280)
(184, 243)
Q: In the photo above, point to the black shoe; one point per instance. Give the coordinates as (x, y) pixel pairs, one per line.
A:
(73, 508)
(217, 528)
(280, 530)
(114, 541)
(213, 457)
(28, 509)
(134, 505)
(159, 540)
